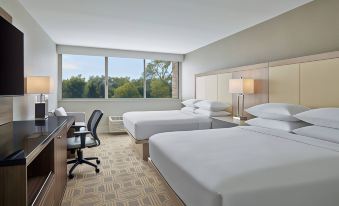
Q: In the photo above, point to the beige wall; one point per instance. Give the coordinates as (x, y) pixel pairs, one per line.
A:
(39, 54)
(309, 29)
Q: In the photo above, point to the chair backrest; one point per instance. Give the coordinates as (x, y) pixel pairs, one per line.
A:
(93, 122)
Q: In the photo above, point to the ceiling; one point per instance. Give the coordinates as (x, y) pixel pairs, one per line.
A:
(171, 26)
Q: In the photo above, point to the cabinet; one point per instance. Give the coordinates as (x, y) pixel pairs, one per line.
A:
(34, 172)
(60, 147)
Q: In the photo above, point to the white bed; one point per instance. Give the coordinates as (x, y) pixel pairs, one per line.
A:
(142, 125)
(248, 166)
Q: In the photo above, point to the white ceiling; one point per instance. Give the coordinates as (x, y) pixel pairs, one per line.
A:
(172, 26)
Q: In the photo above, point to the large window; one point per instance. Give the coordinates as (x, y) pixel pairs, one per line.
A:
(113, 77)
(83, 76)
(159, 79)
(125, 78)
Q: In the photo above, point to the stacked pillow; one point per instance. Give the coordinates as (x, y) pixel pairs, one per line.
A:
(325, 124)
(211, 108)
(189, 106)
(277, 116)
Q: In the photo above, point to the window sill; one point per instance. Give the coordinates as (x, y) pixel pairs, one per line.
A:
(119, 100)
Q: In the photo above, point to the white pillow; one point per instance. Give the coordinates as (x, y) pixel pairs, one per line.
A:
(276, 124)
(212, 105)
(190, 102)
(60, 112)
(277, 111)
(326, 117)
(211, 113)
(323, 133)
(188, 109)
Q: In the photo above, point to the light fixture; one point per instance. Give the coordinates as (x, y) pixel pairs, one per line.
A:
(39, 85)
(241, 87)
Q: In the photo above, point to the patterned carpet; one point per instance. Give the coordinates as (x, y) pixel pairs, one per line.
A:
(124, 179)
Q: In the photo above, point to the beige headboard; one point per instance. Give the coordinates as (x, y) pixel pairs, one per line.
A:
(214, 85)
(312, 81)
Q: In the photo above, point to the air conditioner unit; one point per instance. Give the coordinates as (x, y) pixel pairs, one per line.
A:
(115, 124)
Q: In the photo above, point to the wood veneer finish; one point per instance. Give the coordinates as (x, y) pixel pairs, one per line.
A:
(6, 103)
(13, 185)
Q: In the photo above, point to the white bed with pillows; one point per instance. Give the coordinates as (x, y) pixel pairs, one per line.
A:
(195, 115)
(289, 156)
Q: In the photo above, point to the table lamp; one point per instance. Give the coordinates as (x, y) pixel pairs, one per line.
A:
(39, 85)
(241, 87)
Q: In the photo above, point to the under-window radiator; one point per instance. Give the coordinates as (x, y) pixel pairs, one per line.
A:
(115, 124)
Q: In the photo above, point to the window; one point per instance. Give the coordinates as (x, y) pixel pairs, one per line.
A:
(86, 76)
(83, 76)
(125, 78)
(161, 79)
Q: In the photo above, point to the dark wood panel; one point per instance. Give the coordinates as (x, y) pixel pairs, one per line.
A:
(60, 145)
(260, 95)
(6, 110)
(13, 185)
(6, 103)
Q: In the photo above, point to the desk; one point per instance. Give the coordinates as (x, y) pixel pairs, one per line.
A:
(33, 169)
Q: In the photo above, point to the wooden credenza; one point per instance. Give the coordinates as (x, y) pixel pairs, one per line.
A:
(33, 155)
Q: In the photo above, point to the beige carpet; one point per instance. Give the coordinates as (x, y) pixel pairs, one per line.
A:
(124, 179)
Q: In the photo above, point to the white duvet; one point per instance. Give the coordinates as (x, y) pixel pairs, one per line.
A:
(144, 124)
(248, 166)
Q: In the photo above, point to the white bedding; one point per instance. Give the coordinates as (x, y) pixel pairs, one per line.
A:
(248, 166)
(143, 125)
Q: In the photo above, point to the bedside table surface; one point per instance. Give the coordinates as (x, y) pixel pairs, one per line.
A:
(230, 119)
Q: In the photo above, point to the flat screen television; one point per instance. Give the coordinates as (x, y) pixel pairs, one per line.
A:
(11, 60)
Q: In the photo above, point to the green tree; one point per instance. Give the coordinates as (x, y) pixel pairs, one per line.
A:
(159, 79)
(73, 87)
(114, 83)
(128, 90)
(95, 87)
(160, 89)
(157, 69)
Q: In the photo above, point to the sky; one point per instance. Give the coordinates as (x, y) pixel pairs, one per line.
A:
(87, 66)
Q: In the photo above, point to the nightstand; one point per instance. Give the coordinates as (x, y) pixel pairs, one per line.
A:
(225, 122)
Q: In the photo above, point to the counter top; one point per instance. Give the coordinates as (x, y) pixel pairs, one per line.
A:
(19, 139)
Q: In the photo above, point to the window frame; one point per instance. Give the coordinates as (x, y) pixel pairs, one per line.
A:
(106, 98)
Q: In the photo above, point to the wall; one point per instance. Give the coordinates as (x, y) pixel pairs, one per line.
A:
(310, 29)
(118, 106)
(40, 57)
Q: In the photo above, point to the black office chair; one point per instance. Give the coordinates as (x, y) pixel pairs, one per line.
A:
(85, 138)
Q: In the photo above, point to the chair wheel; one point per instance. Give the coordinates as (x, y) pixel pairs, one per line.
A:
(98, 161)
(70, 176)
(97, 170)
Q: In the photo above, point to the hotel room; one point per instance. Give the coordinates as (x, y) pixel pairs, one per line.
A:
(169, 103)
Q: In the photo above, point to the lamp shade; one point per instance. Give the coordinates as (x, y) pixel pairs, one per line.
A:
(38, 85)
(241, 86)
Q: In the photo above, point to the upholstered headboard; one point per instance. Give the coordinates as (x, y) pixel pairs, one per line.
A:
(214, 85)
(312, 81)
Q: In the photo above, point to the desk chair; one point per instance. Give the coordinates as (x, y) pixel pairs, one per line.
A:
(85, 138)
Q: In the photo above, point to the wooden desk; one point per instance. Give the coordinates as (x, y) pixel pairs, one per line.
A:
(33, 169)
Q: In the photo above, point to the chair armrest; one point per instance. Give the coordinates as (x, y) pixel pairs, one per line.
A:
(79, 133)
(78, 127)
(82, 135)
(79, 116)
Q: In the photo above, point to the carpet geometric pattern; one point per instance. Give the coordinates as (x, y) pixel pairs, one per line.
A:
(124, 178)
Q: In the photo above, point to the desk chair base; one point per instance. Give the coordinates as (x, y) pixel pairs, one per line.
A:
(80, 160)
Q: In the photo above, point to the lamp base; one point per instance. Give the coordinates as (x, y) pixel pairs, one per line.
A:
(240, 118)
(41, 110)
